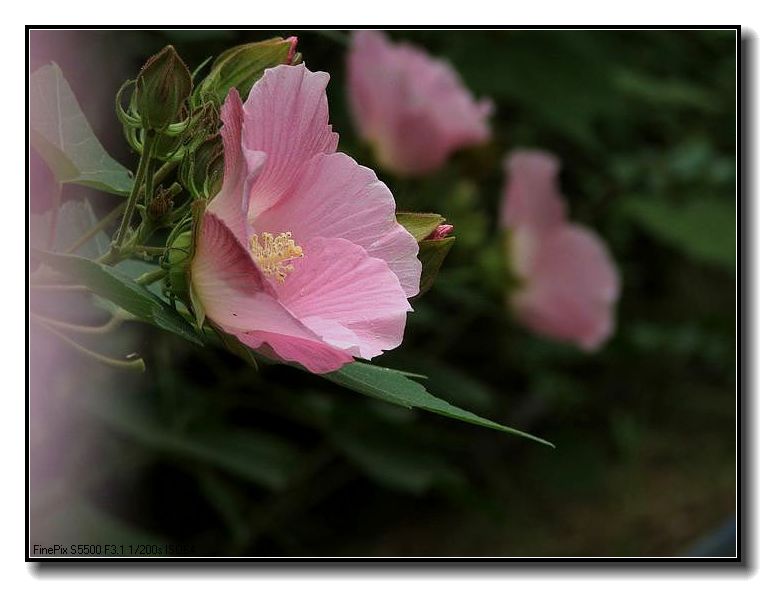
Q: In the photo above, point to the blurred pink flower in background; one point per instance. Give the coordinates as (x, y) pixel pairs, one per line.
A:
(413, 109)
(570, 284)
(301, 250)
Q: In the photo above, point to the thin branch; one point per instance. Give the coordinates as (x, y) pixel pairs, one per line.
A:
(135, 364)
(154, 250)
(111, 324)
(146, 157)
(54, 216)
(59, 287)
(101, 224)
(151, 276)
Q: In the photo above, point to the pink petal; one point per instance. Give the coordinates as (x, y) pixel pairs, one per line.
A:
(571, 285)
(315, 356)
(237, 298)
(241, 168)
(532, 196)
(336, 197)
(346, 296)
(286, 117)
(441, 232)
(412, 107)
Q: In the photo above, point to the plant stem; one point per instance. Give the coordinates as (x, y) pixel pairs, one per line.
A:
(163, 171)
(149, 183)
(113, 322)
(150, 249)
(135, 364)
(101, 224)
(133, 198)
(60, 287)
(54, 216)
(152, 276)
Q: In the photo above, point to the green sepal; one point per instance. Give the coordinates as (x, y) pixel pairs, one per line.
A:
(432, 253)
(115, 286)
(420, 225)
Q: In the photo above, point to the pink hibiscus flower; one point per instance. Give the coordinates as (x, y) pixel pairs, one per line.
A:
(412, 108)
(569, 281)
(300, 251)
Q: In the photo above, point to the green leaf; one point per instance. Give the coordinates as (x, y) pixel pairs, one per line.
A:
(559, 87)
(448, 381)
(255, 456)
(75, 218)
(663, 93)
(391, 386)
(420, 225)
(432, 253)
(113, 285)
(704, 229)
(61, 134)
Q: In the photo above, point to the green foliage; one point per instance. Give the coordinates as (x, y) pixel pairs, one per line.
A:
(122, 290)
(403, 462)
(704, 229)
(75, 217)
(240, 67)
(63, 137)
(253, 455)
(271, 461)
(392, 386)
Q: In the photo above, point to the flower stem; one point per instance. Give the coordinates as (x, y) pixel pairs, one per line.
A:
(54, 216)
(135, 364)
(150, 249)
(152, 276)
(101, 224)
(59, 287)
(133, 198)
(113, 322)
(163, 171)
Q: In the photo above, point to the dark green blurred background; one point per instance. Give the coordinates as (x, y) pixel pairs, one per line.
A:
(204, 450)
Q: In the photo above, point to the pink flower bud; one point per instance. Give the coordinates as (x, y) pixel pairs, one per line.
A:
(441, 232)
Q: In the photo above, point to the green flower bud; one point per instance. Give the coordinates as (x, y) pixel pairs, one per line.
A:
(433, 236)
(205, 121)
(161, 206)
(240, 67)
(162, 88)
(202, 169)
(179, 257)
(420, 225)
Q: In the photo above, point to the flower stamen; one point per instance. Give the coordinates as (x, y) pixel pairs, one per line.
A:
(273, 252)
